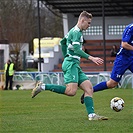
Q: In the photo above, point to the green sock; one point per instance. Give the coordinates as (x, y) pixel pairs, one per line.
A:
(55, 88)
(89, 104)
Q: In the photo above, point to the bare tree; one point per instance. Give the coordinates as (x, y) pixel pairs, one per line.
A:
(18, 24)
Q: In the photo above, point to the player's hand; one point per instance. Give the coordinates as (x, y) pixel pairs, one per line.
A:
(96, 60)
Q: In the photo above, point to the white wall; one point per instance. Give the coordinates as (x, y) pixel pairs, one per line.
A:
(5, 47)
(50, 62)
(98, 21)
(109, 21)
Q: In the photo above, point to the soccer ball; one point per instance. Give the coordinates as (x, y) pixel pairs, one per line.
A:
(117, 104)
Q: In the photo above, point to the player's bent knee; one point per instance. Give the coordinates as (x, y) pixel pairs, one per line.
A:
(112, 85)
(70, 91)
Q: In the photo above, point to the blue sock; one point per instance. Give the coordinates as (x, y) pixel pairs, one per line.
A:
(99, 87)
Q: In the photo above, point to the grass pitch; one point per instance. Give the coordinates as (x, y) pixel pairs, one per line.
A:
(49, 112)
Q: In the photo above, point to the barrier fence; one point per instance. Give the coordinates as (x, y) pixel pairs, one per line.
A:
(27, 80)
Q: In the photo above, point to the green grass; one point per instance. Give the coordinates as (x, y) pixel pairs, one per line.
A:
(53, 113)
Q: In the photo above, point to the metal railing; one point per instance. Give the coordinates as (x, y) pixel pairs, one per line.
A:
(58, 78)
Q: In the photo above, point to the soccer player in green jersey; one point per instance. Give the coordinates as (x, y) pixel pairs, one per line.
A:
(74, 77)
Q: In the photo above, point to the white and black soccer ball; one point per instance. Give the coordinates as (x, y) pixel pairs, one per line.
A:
(117, 104)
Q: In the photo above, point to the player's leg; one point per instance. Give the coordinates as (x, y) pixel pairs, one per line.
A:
(88, 92)
(10, 81)
(105, 85)
(116, 74)
(101, 86)
(70, 78)
(69, 90)
(6, 83)
(51, 87)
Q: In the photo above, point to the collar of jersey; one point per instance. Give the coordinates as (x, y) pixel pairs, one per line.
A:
(77, 28)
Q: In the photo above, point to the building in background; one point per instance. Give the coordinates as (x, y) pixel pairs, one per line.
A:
(4, 53)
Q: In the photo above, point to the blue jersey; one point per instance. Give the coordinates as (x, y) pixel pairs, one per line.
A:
(124, 58)
(127, 37)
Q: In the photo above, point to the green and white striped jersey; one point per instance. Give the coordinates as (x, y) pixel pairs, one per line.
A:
(72, 44)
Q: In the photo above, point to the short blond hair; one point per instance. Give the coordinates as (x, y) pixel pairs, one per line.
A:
(85, 14)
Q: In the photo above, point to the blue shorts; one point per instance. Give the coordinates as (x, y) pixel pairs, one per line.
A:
(121, 64)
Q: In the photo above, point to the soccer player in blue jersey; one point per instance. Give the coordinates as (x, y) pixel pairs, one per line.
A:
(123, 62)
(74, 77)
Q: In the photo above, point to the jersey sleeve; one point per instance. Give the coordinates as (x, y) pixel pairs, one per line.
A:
(80, 52)
(63, 46)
